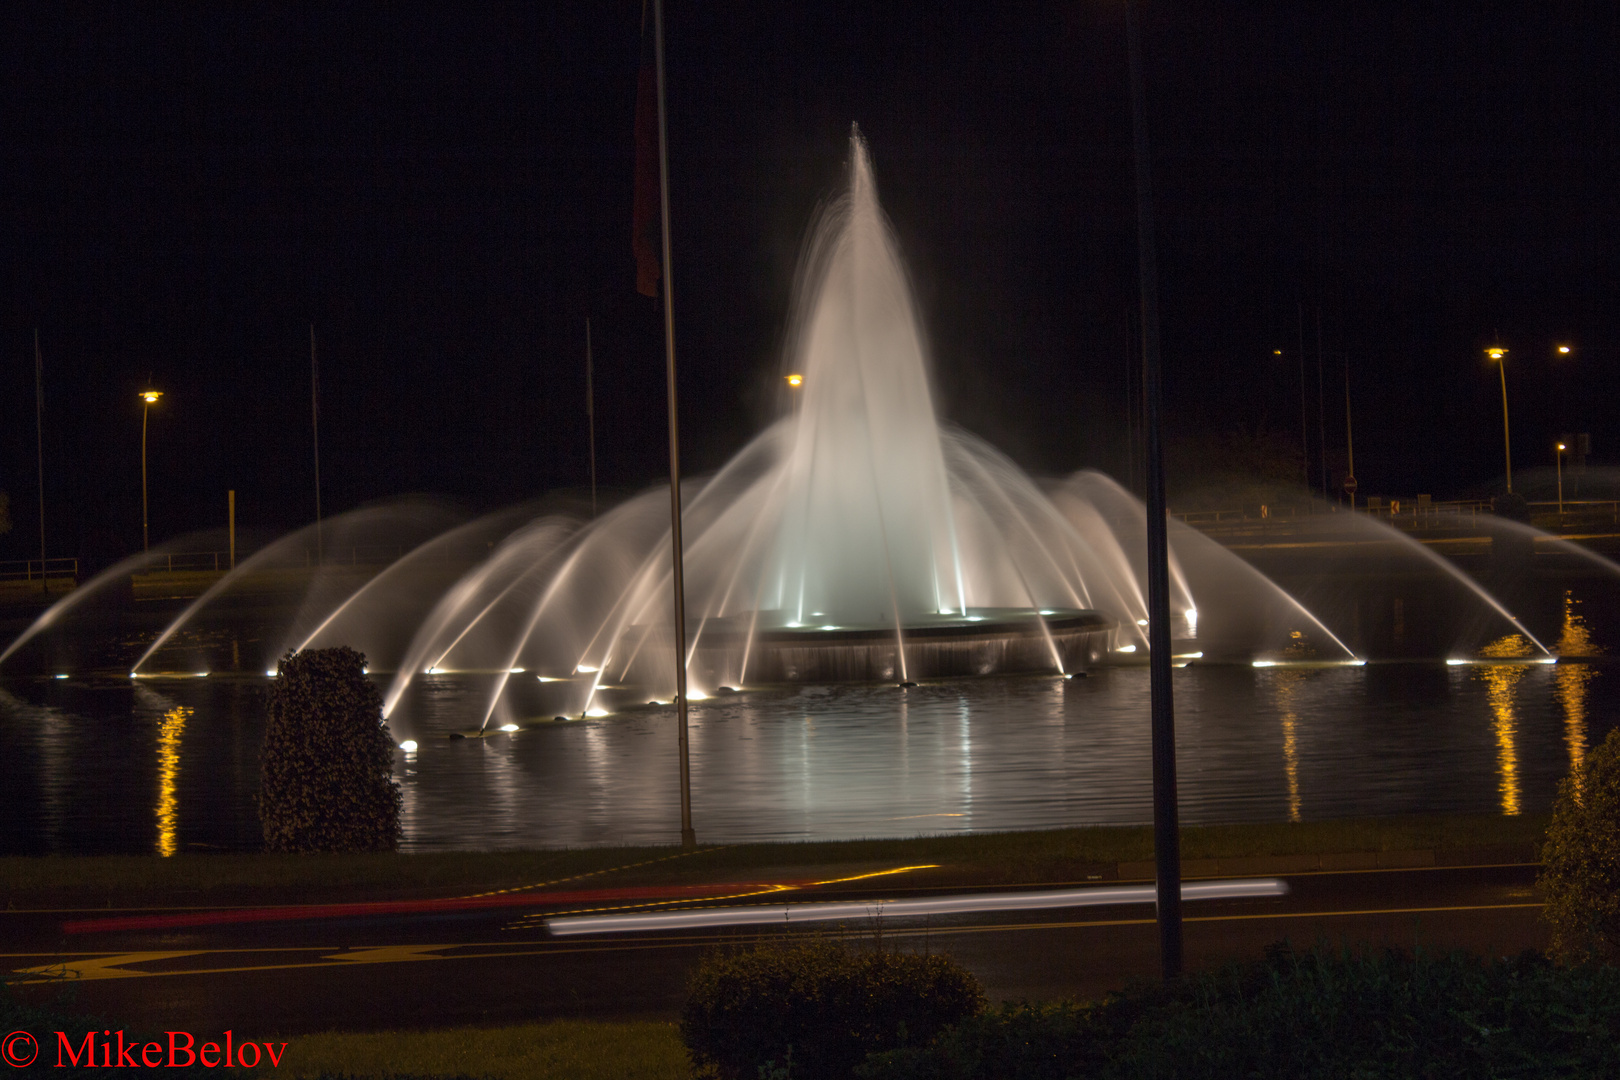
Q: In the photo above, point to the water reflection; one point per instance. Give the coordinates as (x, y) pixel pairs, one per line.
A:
(170, 728)
(1288, 685)
(1573, 683)
(1501, 681)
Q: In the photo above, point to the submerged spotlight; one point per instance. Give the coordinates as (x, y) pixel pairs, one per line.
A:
(509, 727)
(409, 746)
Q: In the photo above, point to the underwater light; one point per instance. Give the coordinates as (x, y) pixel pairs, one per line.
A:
(1455, 663)
(409, 746)
(434, 670)
(515, 671)
(1141, 622)
(547, 678)
(586, 669)
(596, 712)
(1263, 663)
(1547, 660)
(1126, 648)
(509, 727)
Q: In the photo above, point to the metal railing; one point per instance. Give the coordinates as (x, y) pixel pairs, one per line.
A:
(35, 570)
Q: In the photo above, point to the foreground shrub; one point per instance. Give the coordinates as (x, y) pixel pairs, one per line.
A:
(817, 1009)
(327, 771)
(1318, 1014)
(1581, 859)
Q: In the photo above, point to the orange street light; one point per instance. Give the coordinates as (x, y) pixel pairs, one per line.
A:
(150, 398)
(1563, 350)
(1499, 354)
(1558, 458)
(795, 381)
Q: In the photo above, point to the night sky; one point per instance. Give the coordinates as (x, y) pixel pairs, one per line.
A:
(445, 192)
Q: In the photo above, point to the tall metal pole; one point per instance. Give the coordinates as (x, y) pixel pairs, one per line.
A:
(1507, 442)
(39, 447)
(315, 428)
(1558, 460)
(1349, 440)
(590, 411)
(1166, 827)
(145, 409)
(1321, 407)
(1304, 425)
(688, 835)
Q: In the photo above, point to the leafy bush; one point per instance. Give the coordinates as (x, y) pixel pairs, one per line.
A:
(1318, 1014)
(1581, 859)
(327, 771)
(816, 1009)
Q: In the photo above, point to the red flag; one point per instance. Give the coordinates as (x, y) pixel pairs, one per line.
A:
(646, 239)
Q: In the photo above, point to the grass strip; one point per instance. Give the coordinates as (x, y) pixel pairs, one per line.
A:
(558, 1050)
(1039, 856)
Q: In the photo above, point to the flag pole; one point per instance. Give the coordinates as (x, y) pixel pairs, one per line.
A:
(688, 835)
(1166, 826)
(590, 411)
(39, 448)
(315, 428)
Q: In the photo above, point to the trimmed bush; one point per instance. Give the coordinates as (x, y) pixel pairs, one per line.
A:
(1304, 1015)
(1581, 859)
(817, 1009)
(326, 776)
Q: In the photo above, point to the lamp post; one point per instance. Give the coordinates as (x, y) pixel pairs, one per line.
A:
(1558, 459)
(795, 384)
(1499, 354)
(149, 397)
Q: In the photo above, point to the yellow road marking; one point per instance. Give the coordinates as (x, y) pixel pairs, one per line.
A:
(108, 967)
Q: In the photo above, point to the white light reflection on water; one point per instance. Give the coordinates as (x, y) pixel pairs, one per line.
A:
(822, 762)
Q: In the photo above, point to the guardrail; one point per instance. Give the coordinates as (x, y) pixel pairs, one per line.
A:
(1410, 514)
(35, 570)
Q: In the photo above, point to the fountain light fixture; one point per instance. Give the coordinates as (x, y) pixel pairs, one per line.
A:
(516, 671)
(596, 712)
(61, 676)
(434, 670)
(409, 746)
(795, 380)
(1126, 648)
(829, 626)
(509, 727)
(586, 669)
(547, 678)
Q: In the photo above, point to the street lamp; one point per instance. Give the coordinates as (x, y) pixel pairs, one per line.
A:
(1558, 458)
(1499, 354)
(149, 397)
(795, 381)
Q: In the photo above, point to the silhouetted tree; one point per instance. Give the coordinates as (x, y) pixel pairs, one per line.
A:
(326, 776)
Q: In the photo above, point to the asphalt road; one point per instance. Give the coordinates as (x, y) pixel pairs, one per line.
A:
(499, 965)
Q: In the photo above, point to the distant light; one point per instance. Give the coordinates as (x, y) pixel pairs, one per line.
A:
(61, 676)
(1187, 656)
(1276, 352)
(547, 678)
(795, 381)
(1547, 660)
(1456, 663)
(586, 669)
(818, 614)
(270, 672)
(794, 625)
(509, 727)
(1141, 622)
(1563, 350)
(975, 618)
(365, 671)
(516, 671)
(133, 675)
(1047, 611)
(202, 674)
(829, 626)
(1496, 353)
(409, 746)
(1560, 446)
(151, 396)
(1356, 661)
(1263, 663)
(1126, 648)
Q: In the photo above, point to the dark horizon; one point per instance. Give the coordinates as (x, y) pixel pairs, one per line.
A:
(447, 196)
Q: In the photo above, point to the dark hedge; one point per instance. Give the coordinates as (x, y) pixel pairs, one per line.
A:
(1309, 1015)
(326, 776)
(1581, 859)
(812, 1011)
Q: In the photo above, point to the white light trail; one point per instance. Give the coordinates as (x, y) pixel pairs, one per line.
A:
(895, 909)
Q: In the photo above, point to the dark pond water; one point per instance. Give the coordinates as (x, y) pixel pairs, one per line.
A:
(172, 765)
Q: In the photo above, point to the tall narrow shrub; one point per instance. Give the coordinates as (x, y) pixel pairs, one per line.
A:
(1581, 859)
(326, 776)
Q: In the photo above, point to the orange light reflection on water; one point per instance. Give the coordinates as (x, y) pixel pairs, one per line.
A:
(170, 729)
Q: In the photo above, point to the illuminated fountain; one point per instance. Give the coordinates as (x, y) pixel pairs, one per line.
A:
(855, 539)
